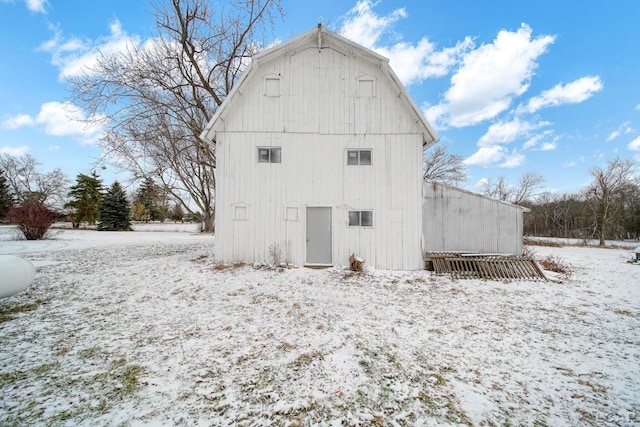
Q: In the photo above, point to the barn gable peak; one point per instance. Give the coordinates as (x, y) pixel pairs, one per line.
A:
(321, 39)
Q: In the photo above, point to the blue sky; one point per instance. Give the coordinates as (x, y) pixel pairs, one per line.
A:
(546, 86)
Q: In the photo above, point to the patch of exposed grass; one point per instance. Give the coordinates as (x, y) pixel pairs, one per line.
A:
(100, 391)
(200, 259)
(9, 311)
(307, 358)
(595, 387)
(225, 266)
(7, 378)
(537, 242)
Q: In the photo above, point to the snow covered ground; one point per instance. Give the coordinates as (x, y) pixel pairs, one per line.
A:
(144, 328)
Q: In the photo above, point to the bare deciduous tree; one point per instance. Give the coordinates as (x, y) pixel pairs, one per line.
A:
(608, 184)
(500, 189)
(27, 184)
(156, 98)
(528, 186)
(441, 166)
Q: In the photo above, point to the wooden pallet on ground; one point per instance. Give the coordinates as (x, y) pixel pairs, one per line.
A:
(485, 266)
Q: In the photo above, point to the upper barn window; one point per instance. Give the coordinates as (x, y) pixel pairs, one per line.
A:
(366, 87)
(272, 86)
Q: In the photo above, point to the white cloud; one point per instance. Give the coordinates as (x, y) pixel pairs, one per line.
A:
(15, 151)
(75, 57)
(638, 107)
(491, 145)
(486, 156)
(37, 5)
(412, 63)
(572, 93)
(490, 77)
(622, 129)
(415, 63)
(635, 144)
(532, 142)
(496, 154)
(66, 119)
(505, 132)
(535, 142)
(61, 119)
(18, 121)
(569, 164)
(365, 27)
(513, 160)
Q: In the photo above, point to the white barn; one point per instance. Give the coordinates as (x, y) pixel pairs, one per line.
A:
(319, 156)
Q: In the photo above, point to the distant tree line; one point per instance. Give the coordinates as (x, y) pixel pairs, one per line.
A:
(607, 209)
(34, 200)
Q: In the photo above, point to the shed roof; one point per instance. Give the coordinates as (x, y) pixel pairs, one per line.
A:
(436, 184)
(323, 39)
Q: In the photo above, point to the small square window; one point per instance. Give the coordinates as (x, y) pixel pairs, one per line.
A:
(272, 86)
(359, 157)
(291, 213)
(360, 218)
(269, 155)
(366, 88)
(240, 213)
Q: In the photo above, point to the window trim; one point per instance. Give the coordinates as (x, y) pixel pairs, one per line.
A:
(267, 86)
(359, 213)
(367, 79)
(241, 211)
(270, 151)
(359, 159)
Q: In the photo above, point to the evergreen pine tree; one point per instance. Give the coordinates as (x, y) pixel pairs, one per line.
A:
(86, 196)
(154, 200)
(177, 213)
(114, 210)
(6, 199)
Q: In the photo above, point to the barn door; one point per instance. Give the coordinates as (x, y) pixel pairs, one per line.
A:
(319, 235)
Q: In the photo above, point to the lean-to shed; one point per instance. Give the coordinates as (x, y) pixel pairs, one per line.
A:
(319, 155)
(459, 220)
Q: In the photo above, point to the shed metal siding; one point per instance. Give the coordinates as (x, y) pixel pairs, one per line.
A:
(457, 220)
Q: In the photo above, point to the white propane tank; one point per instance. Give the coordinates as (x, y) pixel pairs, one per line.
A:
(16, 274)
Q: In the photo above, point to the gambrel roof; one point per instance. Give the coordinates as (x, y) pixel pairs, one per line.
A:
(321, 38)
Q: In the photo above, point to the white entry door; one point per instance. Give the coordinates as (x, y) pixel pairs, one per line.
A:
(319, 236)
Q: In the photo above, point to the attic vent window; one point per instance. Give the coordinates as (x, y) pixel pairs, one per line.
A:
(269, 155)
(359, 157)
(240, 213)
(272, 86)
(366, 87)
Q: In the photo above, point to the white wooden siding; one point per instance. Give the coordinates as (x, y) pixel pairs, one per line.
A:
(314, 172)
(457, 220)
(319, 94)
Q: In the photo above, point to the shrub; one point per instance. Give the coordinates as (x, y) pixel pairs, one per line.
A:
(33, 219)
(558, 265)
